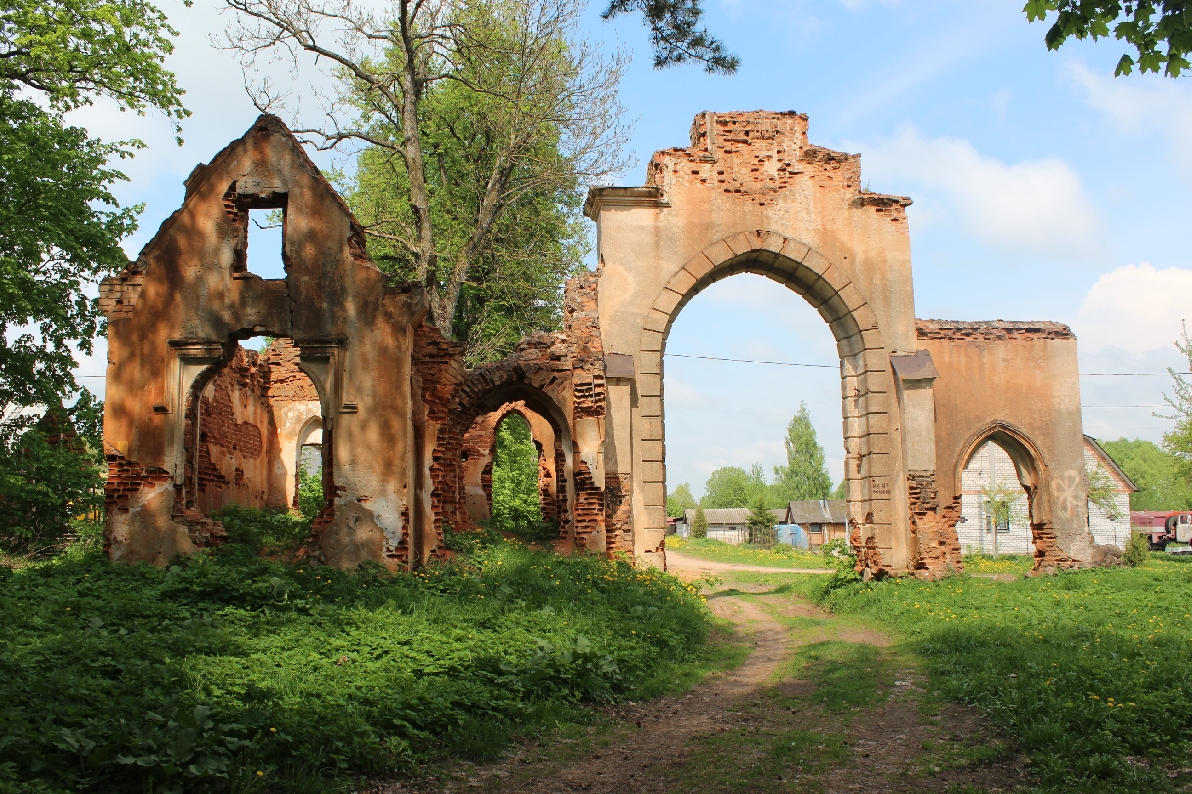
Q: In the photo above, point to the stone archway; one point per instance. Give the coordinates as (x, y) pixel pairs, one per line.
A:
(865, 381)
(478, 453)
(1047, 494)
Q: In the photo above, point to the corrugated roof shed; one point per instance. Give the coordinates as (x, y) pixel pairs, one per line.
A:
(818, 511)
(720, 516)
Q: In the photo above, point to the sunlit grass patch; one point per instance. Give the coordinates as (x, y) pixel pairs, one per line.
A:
(781, 556)
(1086, 670)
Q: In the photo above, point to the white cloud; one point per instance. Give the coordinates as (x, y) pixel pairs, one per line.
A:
(1141, 105)
(1034, 206)
(1135, 308)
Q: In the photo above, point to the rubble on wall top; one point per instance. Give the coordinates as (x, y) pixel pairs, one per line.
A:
(995, 330)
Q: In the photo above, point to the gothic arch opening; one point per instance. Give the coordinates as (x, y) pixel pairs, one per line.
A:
(1000, 475)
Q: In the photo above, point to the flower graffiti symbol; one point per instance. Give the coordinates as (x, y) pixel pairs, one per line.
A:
(1066, 490)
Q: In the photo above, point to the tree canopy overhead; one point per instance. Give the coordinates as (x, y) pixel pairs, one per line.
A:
(1160, 31)
(675, 33)
(476, 110)
(60, 225)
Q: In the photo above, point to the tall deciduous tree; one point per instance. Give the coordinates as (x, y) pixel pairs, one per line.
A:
(1159, 31)
(679, 501)
(520, 104)
(1178, 441)
(1154, 471)
(60, 225)
(805, 475)
(732, 486)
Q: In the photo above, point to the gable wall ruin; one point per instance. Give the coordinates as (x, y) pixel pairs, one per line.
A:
(395, 403)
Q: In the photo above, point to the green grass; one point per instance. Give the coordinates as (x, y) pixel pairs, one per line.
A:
(1005, 563)
(1090, 672)
(781, 556)
(231, 672)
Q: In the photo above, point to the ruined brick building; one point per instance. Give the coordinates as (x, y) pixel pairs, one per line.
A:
(194, 421)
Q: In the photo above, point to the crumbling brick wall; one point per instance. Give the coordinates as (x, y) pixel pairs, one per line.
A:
(557, 376)
(937, 550)
(237, 450)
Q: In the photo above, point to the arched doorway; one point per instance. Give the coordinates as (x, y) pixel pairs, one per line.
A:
(248, 417)
(999, 443)
(872, 448)
(479, 461)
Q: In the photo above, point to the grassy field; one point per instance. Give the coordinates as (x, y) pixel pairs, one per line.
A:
(781, 556)
(230, 672)
(1086, 671)
(1004, 563)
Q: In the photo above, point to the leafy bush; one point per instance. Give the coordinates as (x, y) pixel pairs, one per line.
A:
(226, 664)
(49, 477)
(1136, 551)
(310, 492)
(839, 555)
(516, 503)
(263, 531)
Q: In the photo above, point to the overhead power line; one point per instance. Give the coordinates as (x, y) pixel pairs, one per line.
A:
(751, 361)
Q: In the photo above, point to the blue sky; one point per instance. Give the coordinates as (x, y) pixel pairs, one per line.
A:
(1044, 188)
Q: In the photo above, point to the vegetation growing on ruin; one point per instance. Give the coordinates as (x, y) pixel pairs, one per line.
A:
(1086, 671)
(231, 672)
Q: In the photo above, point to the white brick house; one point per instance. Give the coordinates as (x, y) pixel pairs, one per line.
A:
(990, 466)
(1107, 531)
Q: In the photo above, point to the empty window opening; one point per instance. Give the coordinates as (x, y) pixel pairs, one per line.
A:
(264, 244)
(255, 435)
(516, 503)
(994, 506)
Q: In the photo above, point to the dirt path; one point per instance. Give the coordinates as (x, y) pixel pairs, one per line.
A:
(684, 564)
(819, 705)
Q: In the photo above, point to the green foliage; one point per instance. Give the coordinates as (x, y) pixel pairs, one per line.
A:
(193, 678)
(49, 478)
(839, 556)
(516, 503)
(263, 531)
(1155, 472)
(514, 284)
(310, 492)
(679, 501)
(1085, 671)
(805, 475)
(1178, 440)
(699, 523)
(1147, 25)
(841, 492)
(1137, 550)
(1102, 491)
(761, 524)
(60, 225)
(732, 486)
(674, 33)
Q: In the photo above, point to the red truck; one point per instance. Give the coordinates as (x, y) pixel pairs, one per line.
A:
(1163, 526)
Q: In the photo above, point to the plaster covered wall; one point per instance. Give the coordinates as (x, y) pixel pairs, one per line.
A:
(176, 313)
(752, 194)
(1018, 384)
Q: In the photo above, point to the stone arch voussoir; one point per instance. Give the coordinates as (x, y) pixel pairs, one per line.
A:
(851, 320)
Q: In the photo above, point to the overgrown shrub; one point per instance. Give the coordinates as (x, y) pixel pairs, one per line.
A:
(226, 664)
(310, 492)
(1136, 550)
(49, 478)
(839, 555)
(516, 502)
